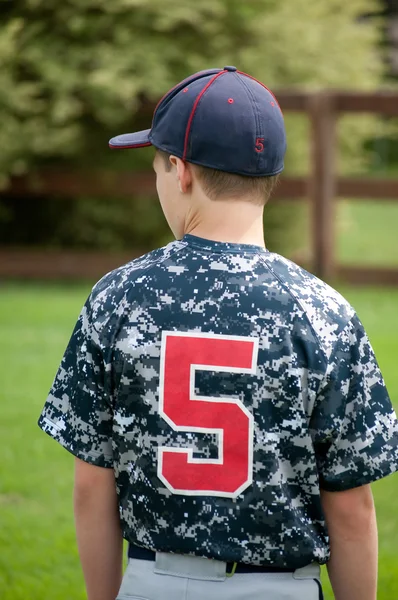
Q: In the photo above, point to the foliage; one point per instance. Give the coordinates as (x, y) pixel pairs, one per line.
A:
(84, 223)
(78, 71)
(72, 69)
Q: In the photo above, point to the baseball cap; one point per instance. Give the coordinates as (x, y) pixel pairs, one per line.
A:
(220, 118)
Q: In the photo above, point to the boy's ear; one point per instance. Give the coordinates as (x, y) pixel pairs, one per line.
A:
(173, 159)
(183, 173)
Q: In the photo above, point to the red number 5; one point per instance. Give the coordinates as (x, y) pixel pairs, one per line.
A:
(182, 355)
(259, 145)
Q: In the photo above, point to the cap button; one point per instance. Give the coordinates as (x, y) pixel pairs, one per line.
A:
(230, 69)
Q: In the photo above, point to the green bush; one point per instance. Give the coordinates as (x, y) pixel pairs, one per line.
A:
(76, 72)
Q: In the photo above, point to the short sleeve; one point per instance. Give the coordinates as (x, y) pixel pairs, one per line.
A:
(78, 412)
(353, 425)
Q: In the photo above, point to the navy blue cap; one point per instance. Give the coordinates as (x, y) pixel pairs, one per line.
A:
(220, 118)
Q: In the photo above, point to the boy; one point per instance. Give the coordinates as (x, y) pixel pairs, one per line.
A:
(225, 407)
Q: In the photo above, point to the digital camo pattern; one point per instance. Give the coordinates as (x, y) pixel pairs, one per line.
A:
(322, 416)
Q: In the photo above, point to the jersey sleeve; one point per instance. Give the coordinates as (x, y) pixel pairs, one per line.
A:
(78, 411)
(353, 425)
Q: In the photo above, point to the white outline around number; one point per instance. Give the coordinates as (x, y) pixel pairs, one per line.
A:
(193, 397)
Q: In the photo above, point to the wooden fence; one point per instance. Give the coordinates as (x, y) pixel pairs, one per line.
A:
(322, 188)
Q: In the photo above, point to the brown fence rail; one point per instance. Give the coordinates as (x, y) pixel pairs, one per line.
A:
(322, 187)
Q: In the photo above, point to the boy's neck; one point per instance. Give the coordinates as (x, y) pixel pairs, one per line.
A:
(235, 222)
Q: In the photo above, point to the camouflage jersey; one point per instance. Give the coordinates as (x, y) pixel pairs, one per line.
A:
(225, 386)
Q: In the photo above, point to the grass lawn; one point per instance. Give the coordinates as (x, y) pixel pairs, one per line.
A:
(366, 233)
(38, 557)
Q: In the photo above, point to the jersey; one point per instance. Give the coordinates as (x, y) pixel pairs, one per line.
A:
(225, 386)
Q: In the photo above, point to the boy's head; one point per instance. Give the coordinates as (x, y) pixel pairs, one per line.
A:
(219, 135)
(175, 177)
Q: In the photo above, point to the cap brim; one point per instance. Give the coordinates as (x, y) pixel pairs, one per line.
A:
(131, 140)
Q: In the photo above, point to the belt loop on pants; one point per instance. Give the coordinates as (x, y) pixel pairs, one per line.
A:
(193, 567)
(312, 571)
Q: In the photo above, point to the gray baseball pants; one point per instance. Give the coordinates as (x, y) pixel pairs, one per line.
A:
(177, 577)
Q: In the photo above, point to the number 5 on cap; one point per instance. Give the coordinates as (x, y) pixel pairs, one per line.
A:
(182, 354)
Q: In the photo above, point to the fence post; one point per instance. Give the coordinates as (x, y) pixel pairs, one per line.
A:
(322, 182)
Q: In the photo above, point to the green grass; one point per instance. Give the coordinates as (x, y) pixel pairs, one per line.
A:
(38, 557)
(367, 233)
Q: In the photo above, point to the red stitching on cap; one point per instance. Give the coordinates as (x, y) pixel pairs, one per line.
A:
(264, 86)
(114, 147)
(185, 90)
(191, 116)
(231, 100)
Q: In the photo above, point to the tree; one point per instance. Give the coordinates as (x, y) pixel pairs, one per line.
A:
(76, 72)
(73, 69)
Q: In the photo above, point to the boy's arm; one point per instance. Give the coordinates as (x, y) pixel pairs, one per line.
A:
(98, 532)
(351, 520)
